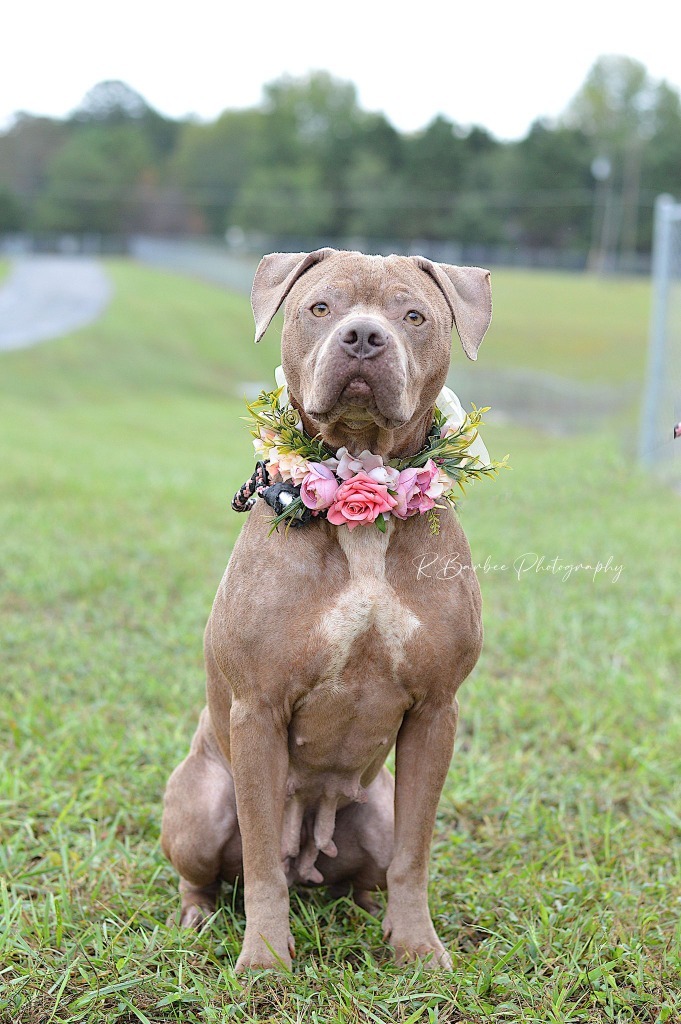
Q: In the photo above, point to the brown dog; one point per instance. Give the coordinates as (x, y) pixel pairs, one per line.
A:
(327, 646)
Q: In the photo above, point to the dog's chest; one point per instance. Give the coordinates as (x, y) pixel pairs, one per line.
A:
(354, 707)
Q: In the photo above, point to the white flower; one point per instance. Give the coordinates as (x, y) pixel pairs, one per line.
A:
(349, 465)
(280, 378)
(262, 444)
(273, 463)
(450, 406)
(284, 398)
(479, 450)
(385, 475)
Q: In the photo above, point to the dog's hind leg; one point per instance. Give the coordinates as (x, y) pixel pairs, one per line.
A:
(200, 833)
(197, 904)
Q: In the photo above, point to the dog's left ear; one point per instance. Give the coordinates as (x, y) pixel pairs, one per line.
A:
(469, 297)
(274, 278)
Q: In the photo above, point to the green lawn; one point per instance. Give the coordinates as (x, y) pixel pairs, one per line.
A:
(591, 328)
(556, 876)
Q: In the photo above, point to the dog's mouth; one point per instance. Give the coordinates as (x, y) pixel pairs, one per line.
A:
(357, 392)
(357, 404)
(355, 407)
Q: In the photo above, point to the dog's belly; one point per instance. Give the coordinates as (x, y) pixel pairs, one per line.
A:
(345, 724)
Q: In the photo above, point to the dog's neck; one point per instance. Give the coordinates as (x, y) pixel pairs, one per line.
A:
(389, 444)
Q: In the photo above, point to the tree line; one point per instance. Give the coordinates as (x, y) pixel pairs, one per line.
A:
(309, 162)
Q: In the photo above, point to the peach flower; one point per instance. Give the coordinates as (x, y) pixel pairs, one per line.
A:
(292, 467)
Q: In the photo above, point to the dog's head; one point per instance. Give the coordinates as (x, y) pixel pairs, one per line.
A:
(367, 339)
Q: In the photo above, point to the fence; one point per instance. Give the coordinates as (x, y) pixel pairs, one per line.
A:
(662, 399)
(255, 244)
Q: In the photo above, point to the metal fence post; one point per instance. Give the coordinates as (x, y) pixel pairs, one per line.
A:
(665, 209)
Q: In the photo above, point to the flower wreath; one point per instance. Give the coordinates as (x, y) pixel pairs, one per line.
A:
(301, 478)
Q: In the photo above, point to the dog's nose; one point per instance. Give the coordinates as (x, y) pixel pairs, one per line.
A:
(362, 337)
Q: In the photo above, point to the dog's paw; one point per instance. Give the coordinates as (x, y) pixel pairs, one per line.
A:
(193, 916)
(364, 898)
(433, 954)
(411, 946)
(259, 955)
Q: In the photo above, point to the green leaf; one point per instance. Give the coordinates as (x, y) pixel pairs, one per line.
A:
(380, 522)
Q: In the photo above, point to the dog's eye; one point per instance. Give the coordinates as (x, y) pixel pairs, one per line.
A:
(320, 309)
(414, 317)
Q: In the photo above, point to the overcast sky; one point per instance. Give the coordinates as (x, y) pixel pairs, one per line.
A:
(498, 64)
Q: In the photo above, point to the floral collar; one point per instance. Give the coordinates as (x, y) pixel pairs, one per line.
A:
(301, 478)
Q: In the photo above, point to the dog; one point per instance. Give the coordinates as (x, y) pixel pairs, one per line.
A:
(326, 647)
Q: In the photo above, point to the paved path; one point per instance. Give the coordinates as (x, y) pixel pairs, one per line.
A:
(46, 297)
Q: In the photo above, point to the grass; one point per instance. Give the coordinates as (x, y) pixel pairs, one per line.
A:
(555, 872)
(592, 329)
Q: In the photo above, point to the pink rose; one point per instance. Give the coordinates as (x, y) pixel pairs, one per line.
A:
(359, 501)
(453, 428)
(407, 487)
(319, 487)
(429, 480)
(420, 502)
(417, 490)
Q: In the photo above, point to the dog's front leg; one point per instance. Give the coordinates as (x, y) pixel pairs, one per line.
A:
(259, 756)
(423, 753)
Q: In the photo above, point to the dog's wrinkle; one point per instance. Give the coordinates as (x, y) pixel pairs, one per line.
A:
(395, 439)
(334, 419)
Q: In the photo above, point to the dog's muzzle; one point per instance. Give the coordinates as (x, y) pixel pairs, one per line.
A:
(360, 365)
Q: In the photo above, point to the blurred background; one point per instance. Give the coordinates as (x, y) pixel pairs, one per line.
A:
(147, 160)
(309, 164)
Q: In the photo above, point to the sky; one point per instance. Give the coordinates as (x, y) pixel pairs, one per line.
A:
(498, 64)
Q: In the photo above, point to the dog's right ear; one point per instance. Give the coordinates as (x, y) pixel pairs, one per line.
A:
(274, 278)
(469, 297)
